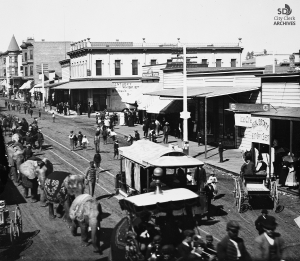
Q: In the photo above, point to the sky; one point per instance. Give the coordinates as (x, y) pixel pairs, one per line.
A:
(159, 21)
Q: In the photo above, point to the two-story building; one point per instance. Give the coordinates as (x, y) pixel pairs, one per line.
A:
(106, 74)
(11, 67)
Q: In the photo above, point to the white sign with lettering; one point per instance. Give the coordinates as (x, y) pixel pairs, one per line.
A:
(243, 120)
(261, 130)
(124, 89)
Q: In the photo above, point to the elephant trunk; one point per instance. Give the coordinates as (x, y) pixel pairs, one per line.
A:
(94, 224)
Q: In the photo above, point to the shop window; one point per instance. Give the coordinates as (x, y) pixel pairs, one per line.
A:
(153, 62)
(98, 67)
(241, 132)
(233, 62)
(219, 63)
(117, 67)
(204, 61)
(134, 67)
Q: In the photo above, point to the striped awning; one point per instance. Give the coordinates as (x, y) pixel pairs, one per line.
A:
(85, 85)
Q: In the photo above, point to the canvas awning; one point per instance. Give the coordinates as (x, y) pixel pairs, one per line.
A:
(3, 82)
(26, 85)
(85, 85)
(207, 92)
(166, 106)
(176, 161)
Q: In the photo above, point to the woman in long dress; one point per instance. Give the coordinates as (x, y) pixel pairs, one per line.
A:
(291, 178)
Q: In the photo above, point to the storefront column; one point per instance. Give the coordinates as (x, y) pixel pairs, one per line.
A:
(291, 136)
(205, 126)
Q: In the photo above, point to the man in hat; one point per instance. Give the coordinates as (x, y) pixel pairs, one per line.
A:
(269, 245)
(90, 177)
(40, 139)
(209, 191)
(200, 177)
(28, 152)
(232, 247)
(136, 135)
(261, 166)
(221, 149)
(259, 220)
(185, 247)
(166, 131)
(116, 149)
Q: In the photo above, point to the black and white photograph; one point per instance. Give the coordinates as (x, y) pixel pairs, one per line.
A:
(162, 130)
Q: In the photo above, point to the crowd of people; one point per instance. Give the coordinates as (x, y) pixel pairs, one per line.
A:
(164, 238)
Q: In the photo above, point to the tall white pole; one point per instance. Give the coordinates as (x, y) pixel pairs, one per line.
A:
(43, 84)
(185, 118)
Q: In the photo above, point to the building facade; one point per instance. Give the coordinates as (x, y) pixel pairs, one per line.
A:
(118, 67)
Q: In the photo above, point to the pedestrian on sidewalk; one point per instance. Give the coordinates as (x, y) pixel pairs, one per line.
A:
(71, 137)
(75, 139)
(40, 139)
(157, 127)
(97, 142)
(80, 137)
(85, 142)
(19, 108)
(8, 106)
(116, 149)
(53, 116)
(25, 109)
(130, 139)
(209, 189)
(136, 135)
(90, 178)
(199, 138)
(31, 112)
(166, 131)
(97, 160)
(40, 114)
(220, 148)
(89, 109)
(104, 135)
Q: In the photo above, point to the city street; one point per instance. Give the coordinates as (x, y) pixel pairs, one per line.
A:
(51, 240)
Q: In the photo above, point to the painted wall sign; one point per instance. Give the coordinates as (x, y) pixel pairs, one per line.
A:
(124, 89)
(249, 107)
(243, 120)
(151, 74)
(261, 130)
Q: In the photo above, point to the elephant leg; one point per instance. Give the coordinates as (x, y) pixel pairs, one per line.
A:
(84, 233)
(25, 192)
(74, 228)
(51, 210)
(59, 210)
(67, 206)
(14, 173)
(43, 198)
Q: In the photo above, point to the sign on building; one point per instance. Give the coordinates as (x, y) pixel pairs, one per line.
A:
(261, 130)
(243, 120)
(249, 107)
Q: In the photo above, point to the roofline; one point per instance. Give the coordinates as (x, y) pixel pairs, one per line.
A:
(115, 79)
(276, 75)
(225, 71)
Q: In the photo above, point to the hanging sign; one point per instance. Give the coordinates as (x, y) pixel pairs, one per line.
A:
(247, 107)
(243, 120)
(261, 130)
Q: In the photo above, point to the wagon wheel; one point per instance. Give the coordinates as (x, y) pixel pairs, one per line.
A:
(239, 199)
(235, 191)
(12, 231)
(274, 194)
(18, 220)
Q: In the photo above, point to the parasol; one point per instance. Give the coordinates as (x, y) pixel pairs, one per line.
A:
(289, 158)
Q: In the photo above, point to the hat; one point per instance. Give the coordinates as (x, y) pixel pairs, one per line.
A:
(167, 123)
(269, 222)
(168, 250)
(199, 243)
(259, 157)
(232, 225)
(188, 233)
(136, 130)
(264, 211)
(28, 145)
(91, 162)
(209, 237)
(157, 239)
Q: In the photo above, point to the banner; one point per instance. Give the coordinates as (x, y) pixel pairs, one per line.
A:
(243, 120)
(261, 130)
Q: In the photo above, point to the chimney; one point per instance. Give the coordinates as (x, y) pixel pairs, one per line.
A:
(178, 41)
(43, 40)
(144, 41)
(88, 44)
(117, 40)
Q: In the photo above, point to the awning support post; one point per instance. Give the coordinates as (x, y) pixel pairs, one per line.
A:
(291, 136)
(205, 126)
(148, 179)
(270, 152)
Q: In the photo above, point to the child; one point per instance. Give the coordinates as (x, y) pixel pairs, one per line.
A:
(75, 139)
(53, 116)
(85, 142)
(40, 114)
(71, 137)
(80, 136)
(116, 149)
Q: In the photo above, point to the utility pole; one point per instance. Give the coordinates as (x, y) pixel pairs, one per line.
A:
(185, 115)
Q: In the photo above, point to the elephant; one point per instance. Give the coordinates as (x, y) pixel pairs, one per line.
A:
(86, 212)
(61, 187)
(34, 172)
(15, 153)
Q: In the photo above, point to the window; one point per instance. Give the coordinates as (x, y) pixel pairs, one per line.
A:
(25, 71)
(218, 62)
(4, 72)
(117, 67)
(25, 57)
(233, 62)
(31, 70)
(169, 60)
(98, 67)
(134, 67)
(153, 62)
(204, 61)
(31, 54)
(4, 60)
